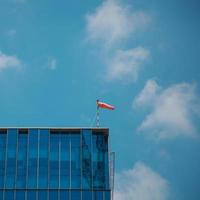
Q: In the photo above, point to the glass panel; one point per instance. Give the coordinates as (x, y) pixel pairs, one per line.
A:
(43, 158)
(86, 195)
(3, 136)
(9, 195)
(42, 195)
(11, 158)
(53, 195)
(31, 195)
(54, 160)
(75, 161)
(98, 195)
(64, 195)
(75, 195)
(1, 194)
(107, 195)
(32, 158)
(20, 195)
(86, 159)
(65, 161)
(22, 159)
(100, 161)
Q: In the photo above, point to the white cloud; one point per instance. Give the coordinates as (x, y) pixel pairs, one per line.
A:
(7, 61)
(125, 65)
(141, 183)
(11, 32)
(172, 110)
(113, 22)
(148, 94)
(52, 63)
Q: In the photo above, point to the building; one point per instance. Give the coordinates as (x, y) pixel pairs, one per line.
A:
(54, 164)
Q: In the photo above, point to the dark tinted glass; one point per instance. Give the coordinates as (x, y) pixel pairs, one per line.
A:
(42, 195)
(64, 160)
(32, 158)
(100, 161)
(64, 195)
(43, 158)
(8, 195)
(31, 195)
(3, 137)
(75, 195)
(98, 195)
(86, 159)
(75, 161)
(86, 195)
(54, 160)
(20, 195)
(53, 195)
(11, 158)
(22, 159)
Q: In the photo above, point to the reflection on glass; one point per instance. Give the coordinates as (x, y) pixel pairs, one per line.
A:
(3, 136)
(86, 195)
(100, 161)
(75, 161)
(64, 160)
(86, 159)
(43, 158)
(54, 160)
(22, 159)
(32, 158)
(20, 195)
(11, 158)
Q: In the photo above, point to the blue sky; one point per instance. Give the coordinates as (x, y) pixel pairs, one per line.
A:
(142, 56)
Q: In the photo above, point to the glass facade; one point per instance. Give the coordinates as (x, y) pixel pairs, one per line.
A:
(54, 164)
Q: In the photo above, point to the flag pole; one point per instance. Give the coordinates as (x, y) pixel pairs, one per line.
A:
(97, 115)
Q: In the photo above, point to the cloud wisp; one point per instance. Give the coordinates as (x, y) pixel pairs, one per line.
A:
(112, 24)
(172, 110)
(127, 64)
(141, 183)
(52, 63)
(7, 61)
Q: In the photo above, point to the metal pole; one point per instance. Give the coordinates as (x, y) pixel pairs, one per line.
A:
(97, 119)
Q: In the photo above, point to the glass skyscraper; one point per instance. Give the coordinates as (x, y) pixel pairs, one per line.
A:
(54, 164)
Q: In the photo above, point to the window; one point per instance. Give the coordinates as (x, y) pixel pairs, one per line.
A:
(75, 195)
(100, 161)
(75, 161)
(64, 194)
(32, 158)
(98, 195)
(31, 195)
(42, 195)
(20, 195)
(11, 158)
(65, 160)
(86, 195)
(8, 195)
(53, 195)
(86, 159)
(3, 136)
(22, 159)
(43, 158)
(54, 160)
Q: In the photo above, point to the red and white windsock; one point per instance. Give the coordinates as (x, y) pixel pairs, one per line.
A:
(104, 105)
